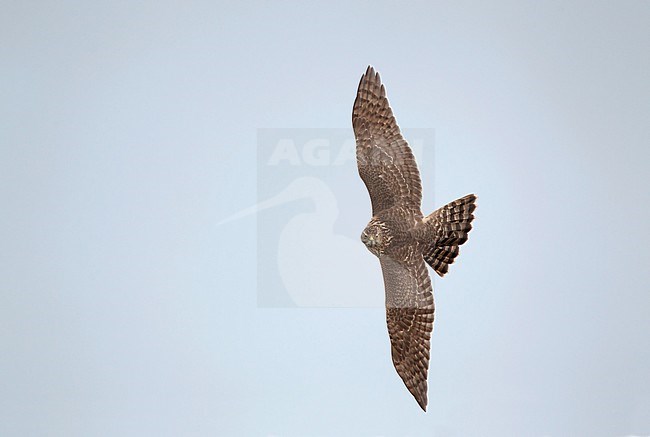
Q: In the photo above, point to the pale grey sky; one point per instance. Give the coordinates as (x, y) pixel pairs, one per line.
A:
(128, 130)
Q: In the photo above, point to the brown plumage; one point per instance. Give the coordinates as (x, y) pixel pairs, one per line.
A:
(398, 233)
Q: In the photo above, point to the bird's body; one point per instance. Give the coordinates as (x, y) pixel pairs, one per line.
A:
(399, 234)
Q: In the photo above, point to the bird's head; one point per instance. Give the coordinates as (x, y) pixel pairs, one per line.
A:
(375, 237)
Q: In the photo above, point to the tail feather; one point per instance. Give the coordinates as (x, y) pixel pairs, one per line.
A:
(445, 230)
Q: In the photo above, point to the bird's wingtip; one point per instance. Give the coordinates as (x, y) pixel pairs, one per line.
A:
(371, 76)
(371, 72)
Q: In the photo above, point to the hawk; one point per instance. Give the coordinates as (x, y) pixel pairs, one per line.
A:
(399, 235)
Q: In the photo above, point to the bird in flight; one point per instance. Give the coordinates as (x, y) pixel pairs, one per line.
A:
(403, 239)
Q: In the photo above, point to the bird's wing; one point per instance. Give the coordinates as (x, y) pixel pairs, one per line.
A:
(409, 315)
(386, 163)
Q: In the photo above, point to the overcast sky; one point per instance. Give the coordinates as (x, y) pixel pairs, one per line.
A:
(130, 130)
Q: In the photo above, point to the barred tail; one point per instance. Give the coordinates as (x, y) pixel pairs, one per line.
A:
(445, 230)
